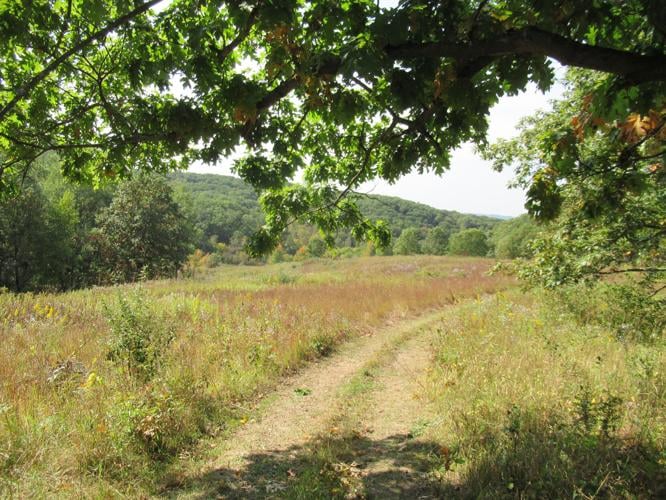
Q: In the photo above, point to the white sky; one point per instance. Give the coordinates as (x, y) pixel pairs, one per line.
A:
(471, 185)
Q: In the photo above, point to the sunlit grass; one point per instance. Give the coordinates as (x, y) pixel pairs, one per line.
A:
(533, 404)
(74, 422)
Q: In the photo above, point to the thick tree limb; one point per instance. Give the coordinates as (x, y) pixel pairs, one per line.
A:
(242, 35)
(474, 56)
(25, 90)
(274, 96)
(636, 68)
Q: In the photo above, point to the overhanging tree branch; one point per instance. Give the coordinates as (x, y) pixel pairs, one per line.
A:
(637, 68)
(242, 35)
(532, 41)
(25, 90)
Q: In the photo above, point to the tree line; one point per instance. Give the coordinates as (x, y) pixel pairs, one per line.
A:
(57, 235)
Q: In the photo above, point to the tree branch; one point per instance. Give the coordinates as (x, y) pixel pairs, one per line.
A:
(636, 68)
(532, 41)
(634, 270)
(25, 90)
(242, 35)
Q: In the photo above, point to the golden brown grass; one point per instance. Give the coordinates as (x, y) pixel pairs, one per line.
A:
(522, 400)
(99, 429)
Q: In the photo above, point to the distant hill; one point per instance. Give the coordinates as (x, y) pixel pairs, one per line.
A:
(224, 206)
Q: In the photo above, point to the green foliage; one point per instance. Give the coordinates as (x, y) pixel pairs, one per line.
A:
(629, 309)
(408, 243)
(143, 232)
(436, 241)
(57, 235)
(513, 238)
(316, 247)
(469, 242)
(346, 91)
(220, 206)
(23, 233)
(40, 241)
(598, 175)
(226, 208)
(139, 335)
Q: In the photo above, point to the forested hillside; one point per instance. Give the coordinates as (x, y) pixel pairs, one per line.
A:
(226, 210)
(57, 235)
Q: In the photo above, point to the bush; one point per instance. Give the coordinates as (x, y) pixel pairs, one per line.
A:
(512, 238)
(409, 242)
(628, 309)
(471, 242)
(139, 336)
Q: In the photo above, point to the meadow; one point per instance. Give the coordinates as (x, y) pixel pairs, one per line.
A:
(103, 391)
(521, 399)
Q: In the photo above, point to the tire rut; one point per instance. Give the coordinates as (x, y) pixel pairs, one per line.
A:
(306, 406)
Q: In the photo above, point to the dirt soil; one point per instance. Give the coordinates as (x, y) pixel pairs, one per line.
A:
(368, 398)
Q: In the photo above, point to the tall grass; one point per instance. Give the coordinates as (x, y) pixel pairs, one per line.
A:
(536, 404)
(100, 390)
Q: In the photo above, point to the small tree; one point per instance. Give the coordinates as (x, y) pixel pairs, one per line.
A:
(512, 238)
(408, 243)
(597, 177)
(316, 247)
(143, 231)
(469, 242)
(436, 241)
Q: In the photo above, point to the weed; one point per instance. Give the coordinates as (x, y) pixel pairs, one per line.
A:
(168, 362)
(628, 309)
(323, 345)
(584, 419)
(139, 336)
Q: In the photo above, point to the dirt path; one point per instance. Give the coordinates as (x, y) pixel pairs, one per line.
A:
(360, 406)
(396, 451)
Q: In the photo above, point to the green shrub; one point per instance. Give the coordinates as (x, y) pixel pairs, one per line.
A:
(628, 309)
(139, 335)
(469, 242)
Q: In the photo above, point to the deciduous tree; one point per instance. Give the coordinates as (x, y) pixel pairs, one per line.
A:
(469, 242)
(600, 183)
(143, 231)
(347, 91)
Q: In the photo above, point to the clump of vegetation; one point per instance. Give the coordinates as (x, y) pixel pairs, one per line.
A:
(627, 308)
(143, 232)
(469, 242)
(140, 335)
(174, 360)
(513, 238)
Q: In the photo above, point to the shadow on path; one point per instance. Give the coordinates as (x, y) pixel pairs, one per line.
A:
(536, 459)
(395, 467)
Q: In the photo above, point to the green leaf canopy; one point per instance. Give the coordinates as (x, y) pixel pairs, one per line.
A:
(347, 91)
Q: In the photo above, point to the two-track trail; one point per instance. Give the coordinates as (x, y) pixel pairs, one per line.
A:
(363, 407)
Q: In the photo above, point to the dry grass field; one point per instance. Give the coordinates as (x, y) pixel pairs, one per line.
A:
(102, 390)
(506, 396)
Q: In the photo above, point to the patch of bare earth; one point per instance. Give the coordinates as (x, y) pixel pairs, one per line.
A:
(391, 450)
(385, 420)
